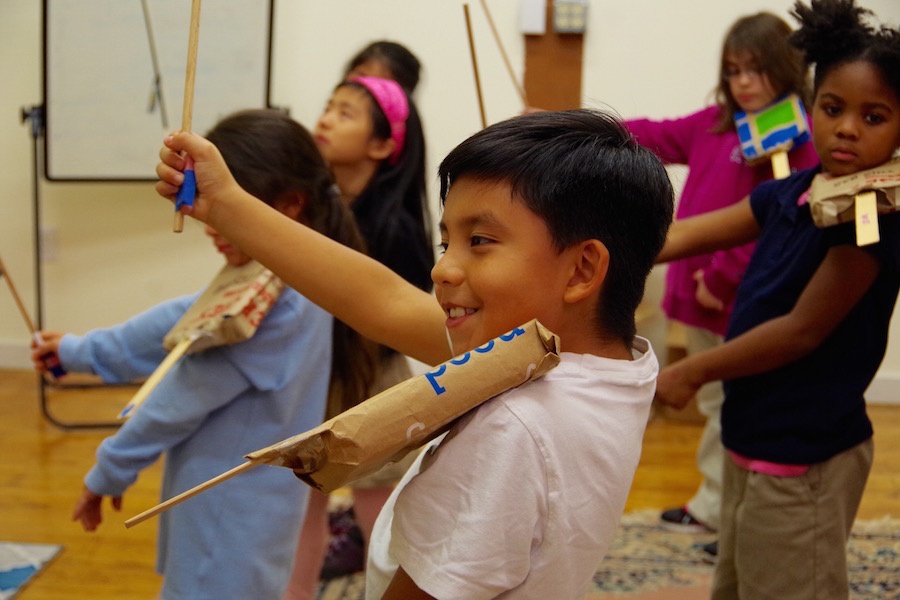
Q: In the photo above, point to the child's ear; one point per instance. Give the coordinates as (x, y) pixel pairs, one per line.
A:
(291, 204)
(591, 263)
(380, 149)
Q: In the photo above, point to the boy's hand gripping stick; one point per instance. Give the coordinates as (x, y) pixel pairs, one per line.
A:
(772, 132)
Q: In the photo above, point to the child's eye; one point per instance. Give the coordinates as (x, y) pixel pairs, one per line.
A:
(442, 247)
(477, 240)
(832, 110)
(874, 119)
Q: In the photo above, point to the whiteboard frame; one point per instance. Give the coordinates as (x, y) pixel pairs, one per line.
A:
(98, 79)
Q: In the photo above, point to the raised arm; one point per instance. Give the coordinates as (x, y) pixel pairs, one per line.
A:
(843, 278)
(716, 230)
(355, 288)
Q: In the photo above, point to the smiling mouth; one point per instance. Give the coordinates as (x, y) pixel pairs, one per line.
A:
(457, 312)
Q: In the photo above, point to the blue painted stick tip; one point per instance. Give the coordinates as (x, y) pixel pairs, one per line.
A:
(187, 191)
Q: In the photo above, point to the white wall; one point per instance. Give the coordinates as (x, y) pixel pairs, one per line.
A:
(117, 254)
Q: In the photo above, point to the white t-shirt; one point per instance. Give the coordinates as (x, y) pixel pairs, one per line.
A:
(522, 497)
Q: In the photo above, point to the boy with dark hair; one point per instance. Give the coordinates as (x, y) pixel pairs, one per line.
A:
(556, 216)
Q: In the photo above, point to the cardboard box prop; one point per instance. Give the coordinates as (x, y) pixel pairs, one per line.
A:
(772, 132)
(387, 426)
(228, 311)
(402, 418)
(859, 197)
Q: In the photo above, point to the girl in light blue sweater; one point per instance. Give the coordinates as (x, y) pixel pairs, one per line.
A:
(238, 539)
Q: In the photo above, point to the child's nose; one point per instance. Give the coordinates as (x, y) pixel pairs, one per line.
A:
(848, 126)
(446, 271)
(324, 120)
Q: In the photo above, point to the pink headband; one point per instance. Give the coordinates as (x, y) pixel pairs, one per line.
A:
(392, 100)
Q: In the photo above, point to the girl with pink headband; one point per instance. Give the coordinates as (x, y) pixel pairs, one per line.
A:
(371, 137)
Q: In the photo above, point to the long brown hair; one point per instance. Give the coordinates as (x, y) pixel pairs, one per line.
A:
(271, 155)
(765, 37)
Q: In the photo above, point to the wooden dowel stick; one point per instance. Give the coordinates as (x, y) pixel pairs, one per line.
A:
(475, 66)
(155, 377)
(781, 167)
(28, 322)
(50, 359)
(508, 64)
(189, 76)
(163, 506)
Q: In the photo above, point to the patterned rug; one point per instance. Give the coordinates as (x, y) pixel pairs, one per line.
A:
(648, 562)
(19, 563)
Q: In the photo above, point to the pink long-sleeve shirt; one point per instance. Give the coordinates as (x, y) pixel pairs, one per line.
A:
(717, 177)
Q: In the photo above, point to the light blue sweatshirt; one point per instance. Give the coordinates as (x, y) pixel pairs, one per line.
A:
(235, 540)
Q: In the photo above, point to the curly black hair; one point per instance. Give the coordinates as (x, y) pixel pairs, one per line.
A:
(835, 32)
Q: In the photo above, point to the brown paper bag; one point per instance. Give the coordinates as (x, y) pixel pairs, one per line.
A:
(229, 310)
(832, 201)
(387, 426)
(402, 418)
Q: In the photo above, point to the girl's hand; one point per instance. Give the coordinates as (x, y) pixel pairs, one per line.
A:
(675, 385)
(49, 345)
(704, 297)
(213, 177)
(88, 509)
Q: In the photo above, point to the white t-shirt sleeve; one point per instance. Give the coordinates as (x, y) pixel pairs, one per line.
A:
(466, 528)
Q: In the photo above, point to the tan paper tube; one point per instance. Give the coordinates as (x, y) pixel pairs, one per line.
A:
(833, 200)
(387, 426)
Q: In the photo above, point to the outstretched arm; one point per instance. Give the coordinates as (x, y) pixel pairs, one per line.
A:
(843, 278)
(716, 230)
(360, 291)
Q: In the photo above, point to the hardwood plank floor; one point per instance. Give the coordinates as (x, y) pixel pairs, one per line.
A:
(42, 469)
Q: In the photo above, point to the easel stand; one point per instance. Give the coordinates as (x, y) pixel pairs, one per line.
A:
(35, 115)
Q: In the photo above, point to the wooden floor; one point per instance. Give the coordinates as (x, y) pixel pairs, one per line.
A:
(43, 465)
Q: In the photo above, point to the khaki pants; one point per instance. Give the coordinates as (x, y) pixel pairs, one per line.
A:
(786, 537)
(706, 505)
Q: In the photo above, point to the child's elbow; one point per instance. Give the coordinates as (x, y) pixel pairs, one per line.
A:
(806, 338)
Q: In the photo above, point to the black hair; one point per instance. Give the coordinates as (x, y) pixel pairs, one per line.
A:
(766, 38)
(583, 174)
(271, 155)
(392, 211)
(834, 32)
(405, 68)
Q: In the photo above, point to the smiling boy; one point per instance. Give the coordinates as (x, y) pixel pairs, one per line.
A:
(556, 216)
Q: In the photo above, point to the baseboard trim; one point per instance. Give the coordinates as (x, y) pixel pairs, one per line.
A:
(14, 355)
(884, 389)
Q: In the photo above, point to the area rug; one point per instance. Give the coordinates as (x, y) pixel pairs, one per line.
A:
(20, 563)
(649, 562)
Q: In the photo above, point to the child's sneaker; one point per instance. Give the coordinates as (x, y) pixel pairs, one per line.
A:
(709, 552)
(679, 519)
(346, 549)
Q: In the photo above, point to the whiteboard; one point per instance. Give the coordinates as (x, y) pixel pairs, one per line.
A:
(106, 111)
